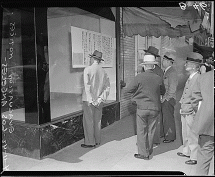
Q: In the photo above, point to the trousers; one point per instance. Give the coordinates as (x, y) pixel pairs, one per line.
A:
(190, 139)
(205, 154)
(146, 126)
(157, 134)
(168, 120)
(92, 123)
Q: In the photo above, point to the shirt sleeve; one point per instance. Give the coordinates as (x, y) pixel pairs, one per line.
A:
(106, 90)
(87, 85)
(196, 95)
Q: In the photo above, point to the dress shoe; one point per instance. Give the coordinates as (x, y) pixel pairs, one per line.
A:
(139, 156)
(191, 162)
(168, 141)
(87, 146)
(182, 155)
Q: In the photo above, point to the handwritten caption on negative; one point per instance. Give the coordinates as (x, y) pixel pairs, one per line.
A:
(196, 5)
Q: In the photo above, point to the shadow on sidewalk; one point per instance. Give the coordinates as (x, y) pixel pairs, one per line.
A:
(117, 131)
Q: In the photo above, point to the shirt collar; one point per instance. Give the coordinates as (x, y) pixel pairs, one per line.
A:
(191, 76)
(167, 68)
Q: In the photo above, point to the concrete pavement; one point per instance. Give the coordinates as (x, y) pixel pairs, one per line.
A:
(116, 153)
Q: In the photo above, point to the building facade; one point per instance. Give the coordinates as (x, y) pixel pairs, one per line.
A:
(43, 54)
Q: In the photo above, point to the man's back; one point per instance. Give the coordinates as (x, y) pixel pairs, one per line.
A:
(146, 90)
(95, 80)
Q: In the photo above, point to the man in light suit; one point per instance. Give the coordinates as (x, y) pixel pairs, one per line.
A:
(203, 124)
(169, 98)
(96, 91)
(190, 138)
(146, 89)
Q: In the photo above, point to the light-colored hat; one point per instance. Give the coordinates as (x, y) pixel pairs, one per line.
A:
(96, 54)
(149, 59)
(194, 57)
(169, 56)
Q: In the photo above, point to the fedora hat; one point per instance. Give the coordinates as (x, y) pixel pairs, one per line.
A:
(149, 59)
(96, 54)
(194, 57)
(152, 50)
(205, 51)
(169, 56)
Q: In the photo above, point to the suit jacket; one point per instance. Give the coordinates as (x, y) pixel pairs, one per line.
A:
(170, 82)
(146, 88)
(96, 83)
(203, 90)
(186, 106)
(157, 70)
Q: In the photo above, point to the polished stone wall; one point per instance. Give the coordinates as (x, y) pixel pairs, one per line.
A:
(24, 140)
(39, 141)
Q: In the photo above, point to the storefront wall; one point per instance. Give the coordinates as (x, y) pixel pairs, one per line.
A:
(134, 47)
(44, 113)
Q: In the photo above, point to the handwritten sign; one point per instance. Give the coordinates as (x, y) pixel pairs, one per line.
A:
(85, 42)
(196, 5)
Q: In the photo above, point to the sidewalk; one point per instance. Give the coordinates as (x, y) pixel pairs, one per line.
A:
(116, 153)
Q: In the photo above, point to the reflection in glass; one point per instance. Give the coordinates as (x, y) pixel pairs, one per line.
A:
(12, 102)
(66, 81)
(19, 90)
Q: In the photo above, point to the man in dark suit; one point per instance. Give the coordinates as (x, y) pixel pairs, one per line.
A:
(157, 70)
(146, 89)
(154, 51)
(190, 138)
(169, 99)
(203, 125)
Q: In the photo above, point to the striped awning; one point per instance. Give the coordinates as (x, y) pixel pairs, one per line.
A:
(160, 21)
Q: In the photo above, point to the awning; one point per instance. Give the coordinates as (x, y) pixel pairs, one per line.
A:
(160, 21)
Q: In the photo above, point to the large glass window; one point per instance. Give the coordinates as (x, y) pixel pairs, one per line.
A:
(18, 68)
(73, 34)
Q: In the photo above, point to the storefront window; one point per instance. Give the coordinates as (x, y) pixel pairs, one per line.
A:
(73, 34)
(18, 66)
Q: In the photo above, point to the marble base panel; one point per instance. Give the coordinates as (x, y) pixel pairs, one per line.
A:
(21, 140)
(39, 141)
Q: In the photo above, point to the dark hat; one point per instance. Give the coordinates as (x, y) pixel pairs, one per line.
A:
(205, 51)
(96, 54)
(194, 57)
(169, 56)
(152, 50)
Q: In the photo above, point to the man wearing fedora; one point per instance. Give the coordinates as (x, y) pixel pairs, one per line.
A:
(146, 88)
(154, 51)
(169, 98)
(96, 91)
(187, 111)
(157, 70)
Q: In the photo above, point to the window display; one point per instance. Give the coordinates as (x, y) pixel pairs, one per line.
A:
(69, 55)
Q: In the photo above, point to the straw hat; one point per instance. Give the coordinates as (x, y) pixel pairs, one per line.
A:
(169, 56)
(194, 57)
(149, 59)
